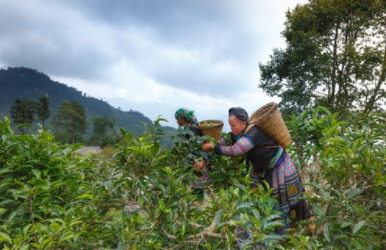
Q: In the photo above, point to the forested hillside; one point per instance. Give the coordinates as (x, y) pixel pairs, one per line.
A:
(20, 83)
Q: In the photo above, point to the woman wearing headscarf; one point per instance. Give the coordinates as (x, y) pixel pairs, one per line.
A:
(187, 118)
(270, 162)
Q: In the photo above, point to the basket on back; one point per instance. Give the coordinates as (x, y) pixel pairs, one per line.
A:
(269, 120)
(213, 130)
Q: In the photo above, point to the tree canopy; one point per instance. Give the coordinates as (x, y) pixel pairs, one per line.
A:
(101, 126)
(70, 122)
(335, 56)
(22, 112)
(43, 109)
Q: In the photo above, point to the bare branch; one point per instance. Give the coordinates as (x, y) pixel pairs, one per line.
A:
(206, 232)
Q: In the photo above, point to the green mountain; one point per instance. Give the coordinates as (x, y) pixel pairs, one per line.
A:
(20, 83)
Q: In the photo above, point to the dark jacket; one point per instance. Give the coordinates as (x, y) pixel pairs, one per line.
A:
(195, 130)
(259, 156)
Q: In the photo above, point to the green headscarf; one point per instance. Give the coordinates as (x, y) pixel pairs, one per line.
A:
(188, 115)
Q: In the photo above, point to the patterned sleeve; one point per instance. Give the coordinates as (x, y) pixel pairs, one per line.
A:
(242, 146)
(222, 142)
(225, 142)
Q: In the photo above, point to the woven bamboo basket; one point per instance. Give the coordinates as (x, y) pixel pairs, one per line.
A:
(212, 130)
(269, 120)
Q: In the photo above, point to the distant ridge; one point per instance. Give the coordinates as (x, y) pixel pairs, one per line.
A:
(21, 82)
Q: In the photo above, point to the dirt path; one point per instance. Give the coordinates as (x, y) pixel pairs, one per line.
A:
(88, 149)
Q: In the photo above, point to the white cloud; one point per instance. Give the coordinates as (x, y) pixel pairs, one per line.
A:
(199, 55)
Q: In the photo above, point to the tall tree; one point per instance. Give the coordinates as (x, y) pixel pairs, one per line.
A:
(22, 112)
(335, 57)
(101, 126)
(70, 121)
(43, 109)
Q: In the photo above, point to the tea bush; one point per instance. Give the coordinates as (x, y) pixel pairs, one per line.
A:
(344, 165)
(52, 198)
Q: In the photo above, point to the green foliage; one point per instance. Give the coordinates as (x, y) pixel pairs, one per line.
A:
(21, 83)
(102, 131)
(43, 109)
(70, 122)
(344, 165)
(51, 198)
(107, 151)
(22, 113)
(335, 57)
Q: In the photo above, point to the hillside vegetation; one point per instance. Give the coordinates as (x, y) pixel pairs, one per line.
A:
(21, 83)
(24, 83)
(51, 198)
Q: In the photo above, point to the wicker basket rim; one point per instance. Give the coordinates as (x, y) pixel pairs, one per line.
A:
(219, 123)
(269, 112)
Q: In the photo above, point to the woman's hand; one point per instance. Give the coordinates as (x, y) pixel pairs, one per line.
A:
(199, 165)
(207, 147)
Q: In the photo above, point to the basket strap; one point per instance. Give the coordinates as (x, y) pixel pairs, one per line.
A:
(248, 128)
(269, 146)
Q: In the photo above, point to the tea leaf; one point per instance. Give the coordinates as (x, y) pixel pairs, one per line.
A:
(326, 232)
(358, 226)
(5, 238)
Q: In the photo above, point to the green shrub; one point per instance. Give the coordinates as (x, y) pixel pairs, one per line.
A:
(141, 198)
(344, 164)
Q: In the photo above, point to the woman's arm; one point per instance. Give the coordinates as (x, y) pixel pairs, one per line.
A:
(222, 142)
(242, 146)
(207, 147)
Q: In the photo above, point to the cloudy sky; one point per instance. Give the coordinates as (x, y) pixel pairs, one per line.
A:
(152, 56)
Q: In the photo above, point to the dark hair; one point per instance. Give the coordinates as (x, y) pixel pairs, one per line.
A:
(239, 113)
